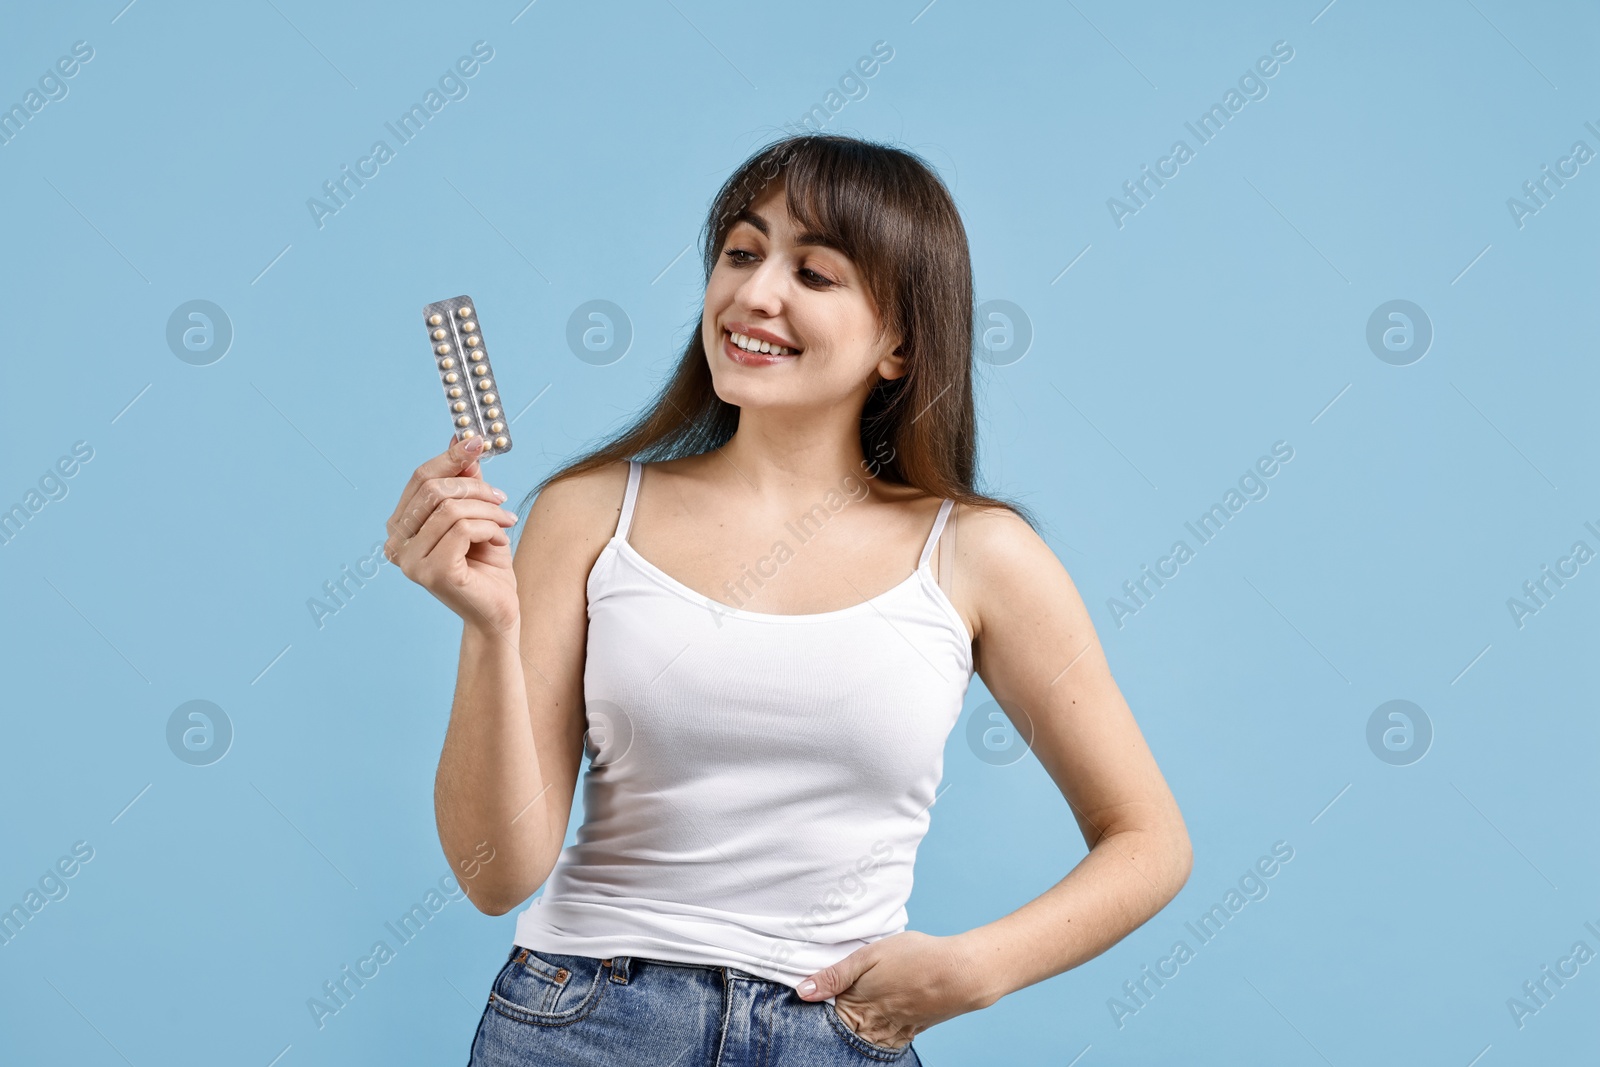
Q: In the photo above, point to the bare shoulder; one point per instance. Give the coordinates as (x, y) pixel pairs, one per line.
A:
(1001, 564)
(571, 520)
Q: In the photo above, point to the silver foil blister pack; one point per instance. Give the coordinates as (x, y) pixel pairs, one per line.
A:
(462, 359)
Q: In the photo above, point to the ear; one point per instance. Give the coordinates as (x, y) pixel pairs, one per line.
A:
(893, 365)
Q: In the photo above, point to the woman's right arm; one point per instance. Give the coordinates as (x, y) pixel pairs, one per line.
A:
(514, 744)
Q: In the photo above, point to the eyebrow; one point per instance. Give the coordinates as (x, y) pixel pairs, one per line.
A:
(810, 237)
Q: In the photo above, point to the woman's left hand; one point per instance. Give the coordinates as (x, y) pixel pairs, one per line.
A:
(895, 988)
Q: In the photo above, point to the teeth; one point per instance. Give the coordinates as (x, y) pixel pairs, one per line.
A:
(750, 344)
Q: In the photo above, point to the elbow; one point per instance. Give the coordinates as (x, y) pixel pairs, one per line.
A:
(497, 881)
(492, 907)
(1167, 858)
(1163, 850)
(1180, 858)
(1178, 851)
(1183, 862)
(497, 898)
(492, 904)
(1172, 834)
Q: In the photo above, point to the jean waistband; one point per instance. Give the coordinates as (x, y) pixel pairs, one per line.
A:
(621, 967)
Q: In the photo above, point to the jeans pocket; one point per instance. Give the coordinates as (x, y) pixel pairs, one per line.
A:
(548, 988)
(871, 1049)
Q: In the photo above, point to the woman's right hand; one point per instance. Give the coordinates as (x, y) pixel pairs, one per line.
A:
(448, 534)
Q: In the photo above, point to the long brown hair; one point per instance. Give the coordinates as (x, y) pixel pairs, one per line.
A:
(891, 214)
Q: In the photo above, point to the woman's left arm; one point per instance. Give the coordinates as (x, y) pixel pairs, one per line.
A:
(1037, 652)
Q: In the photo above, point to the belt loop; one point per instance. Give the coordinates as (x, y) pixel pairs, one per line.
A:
(619, 969)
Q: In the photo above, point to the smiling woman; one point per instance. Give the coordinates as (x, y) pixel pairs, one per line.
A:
(760, 776)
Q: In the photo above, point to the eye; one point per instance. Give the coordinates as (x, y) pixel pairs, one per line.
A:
(812, 278)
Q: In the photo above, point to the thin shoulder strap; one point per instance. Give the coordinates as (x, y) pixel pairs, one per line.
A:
(947, 555)
(933, 537)
(625, 520)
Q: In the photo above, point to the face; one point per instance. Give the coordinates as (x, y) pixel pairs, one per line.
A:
(770, 286)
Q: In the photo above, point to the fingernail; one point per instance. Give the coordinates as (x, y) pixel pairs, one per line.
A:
(498, 495)
(473, 444)
(807, 988)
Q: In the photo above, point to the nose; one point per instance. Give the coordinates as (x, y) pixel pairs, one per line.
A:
(762, 288)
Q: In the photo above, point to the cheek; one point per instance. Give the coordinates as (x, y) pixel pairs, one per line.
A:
(850, 334)
(716, 302)
(720, 288)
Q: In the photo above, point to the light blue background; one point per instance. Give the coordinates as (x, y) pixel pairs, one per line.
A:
(1226, 315)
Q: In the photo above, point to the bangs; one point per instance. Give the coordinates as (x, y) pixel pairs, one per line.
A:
(831, 203)
(842, 195)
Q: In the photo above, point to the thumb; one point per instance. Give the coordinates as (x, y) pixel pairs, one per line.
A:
(831, 981)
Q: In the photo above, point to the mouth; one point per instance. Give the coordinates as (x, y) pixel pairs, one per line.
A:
(751, 351)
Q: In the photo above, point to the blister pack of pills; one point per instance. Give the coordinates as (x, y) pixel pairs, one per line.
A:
(462, 359)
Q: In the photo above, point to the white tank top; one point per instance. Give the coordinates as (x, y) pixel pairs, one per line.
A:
(758, 784)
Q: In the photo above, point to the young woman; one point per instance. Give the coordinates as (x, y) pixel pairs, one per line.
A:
(762, 638)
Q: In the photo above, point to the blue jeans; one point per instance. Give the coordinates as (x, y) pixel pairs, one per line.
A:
(555, 1010)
